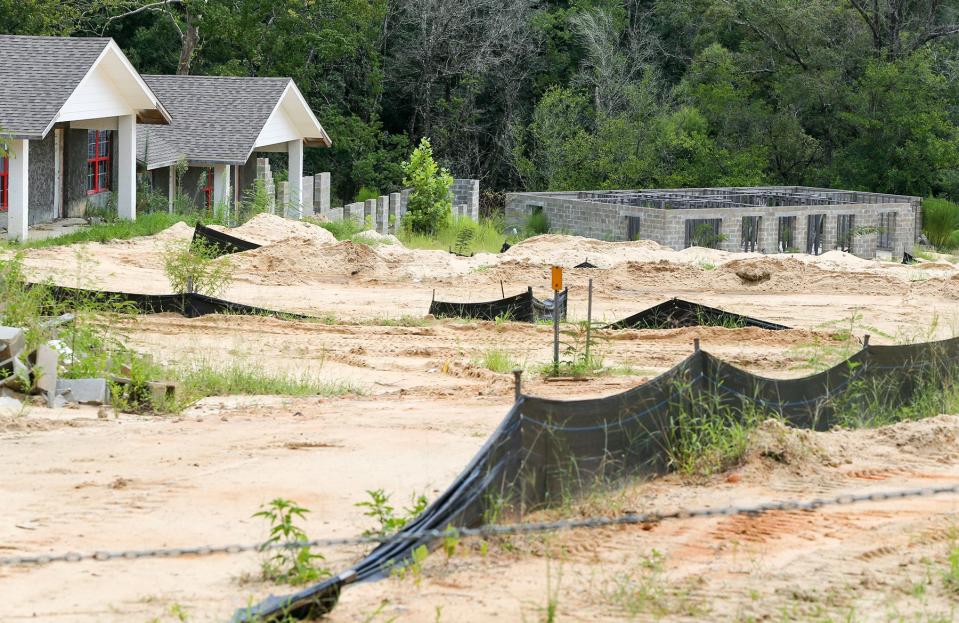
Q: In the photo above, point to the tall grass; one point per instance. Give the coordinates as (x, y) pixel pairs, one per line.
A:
(487, 236)
(940, 220)
(499, 361)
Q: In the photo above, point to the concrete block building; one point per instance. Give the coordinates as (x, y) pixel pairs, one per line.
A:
(769, 219)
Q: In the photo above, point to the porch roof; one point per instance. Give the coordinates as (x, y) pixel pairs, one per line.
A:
(40, 74)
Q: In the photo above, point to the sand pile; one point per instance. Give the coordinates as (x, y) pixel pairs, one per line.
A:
(372, 237)
(568, 251)
(176, 232)
(269, 228)
(296, 261)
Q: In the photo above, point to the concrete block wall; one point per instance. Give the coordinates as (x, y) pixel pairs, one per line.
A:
(396, 211)
(464, 191)
(307, 208)
(607, 221)
(265, 173)
(383, 214)
(335, 214)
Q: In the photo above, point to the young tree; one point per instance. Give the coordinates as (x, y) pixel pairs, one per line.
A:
(430, 198)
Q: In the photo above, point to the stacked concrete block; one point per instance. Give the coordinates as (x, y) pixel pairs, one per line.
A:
(335, 214)
(283, 198)
(355, 212)
(466, 193)
(396, 211)
(307, 208)
(321, 193)
(383, 214)
(369, 212)
(265, 175)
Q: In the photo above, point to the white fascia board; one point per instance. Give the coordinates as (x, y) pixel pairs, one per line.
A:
(114, 51)
(293, 106)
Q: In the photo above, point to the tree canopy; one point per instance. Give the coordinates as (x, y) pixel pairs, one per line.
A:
(564, 94)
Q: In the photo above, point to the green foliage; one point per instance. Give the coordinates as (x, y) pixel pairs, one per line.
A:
(940, 220)
(536, 224)
(20, 305)
(487, 236)
(194, 266)
(365, 193)
(499, 361)
(341, 230)
(430, 198)
(378, 507)
(289, 565)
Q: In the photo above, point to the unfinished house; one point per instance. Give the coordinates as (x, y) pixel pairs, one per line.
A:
(769, 219)
(69, 113)
(219, 125)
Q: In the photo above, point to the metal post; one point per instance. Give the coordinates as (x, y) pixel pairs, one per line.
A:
(696, 344)
(589, 316)
(555, 334)
(189, 284)
(517, 384)
(865, 341)
(502, 289)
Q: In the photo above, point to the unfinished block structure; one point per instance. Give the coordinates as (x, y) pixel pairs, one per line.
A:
(768, 219)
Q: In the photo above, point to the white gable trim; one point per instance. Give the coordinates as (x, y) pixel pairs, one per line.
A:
(122, 91)
(290, 120)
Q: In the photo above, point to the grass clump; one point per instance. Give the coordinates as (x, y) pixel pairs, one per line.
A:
(343, 229)
(496, 360)
(940, 222)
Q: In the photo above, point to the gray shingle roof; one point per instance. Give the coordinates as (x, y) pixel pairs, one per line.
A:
(216, 119)
(37, 76)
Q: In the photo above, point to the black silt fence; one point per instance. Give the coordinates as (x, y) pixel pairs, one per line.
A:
(190, 305)
(224, 244)
(522, 308)
(676, 313)
(545, 450)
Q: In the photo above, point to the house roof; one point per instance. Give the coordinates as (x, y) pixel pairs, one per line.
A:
(39, 74)
(221, 119)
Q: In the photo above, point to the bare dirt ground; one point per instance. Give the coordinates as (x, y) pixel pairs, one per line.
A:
(74, 481)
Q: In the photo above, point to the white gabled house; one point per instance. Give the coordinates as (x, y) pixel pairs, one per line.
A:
(219, 123)
(69, 113)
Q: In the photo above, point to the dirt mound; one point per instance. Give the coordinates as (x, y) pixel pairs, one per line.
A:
(773, 445)
(302, 260)
(269, 228)
(175, 232)
(569, 251)
(750, 271)
(371, 237)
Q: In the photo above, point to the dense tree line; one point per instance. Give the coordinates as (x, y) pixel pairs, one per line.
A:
(580, 93)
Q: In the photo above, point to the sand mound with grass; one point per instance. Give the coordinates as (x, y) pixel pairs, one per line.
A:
(371, 237)
(296, 261)
(267, 228)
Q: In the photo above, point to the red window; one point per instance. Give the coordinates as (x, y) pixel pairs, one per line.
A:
(208, 189)
(99, 160)
(4, 184)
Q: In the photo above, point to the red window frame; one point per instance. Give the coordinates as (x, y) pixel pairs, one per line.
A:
(99, 161)
(4, 184)
(208, 189)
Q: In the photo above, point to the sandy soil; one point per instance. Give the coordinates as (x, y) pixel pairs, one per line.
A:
(74, 481)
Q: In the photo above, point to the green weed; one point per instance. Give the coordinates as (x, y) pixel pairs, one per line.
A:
(389, 521)
(294, 565)
(145, 225)
(499, 361)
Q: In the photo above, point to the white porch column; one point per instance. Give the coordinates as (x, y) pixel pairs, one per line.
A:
(295, 151)
(171, 188)
(221, 188)
(127, 167)
(18, 159)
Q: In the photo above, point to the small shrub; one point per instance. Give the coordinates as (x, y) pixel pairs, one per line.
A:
(196, 264)
(499, 361)
(290, 565)
(430, 199)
